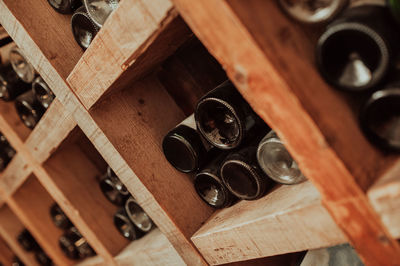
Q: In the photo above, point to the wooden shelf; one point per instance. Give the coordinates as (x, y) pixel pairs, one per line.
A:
(10, 228)
(31, 203)
(142, 74)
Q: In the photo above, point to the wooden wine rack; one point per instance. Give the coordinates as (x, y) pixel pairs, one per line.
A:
(111, 108)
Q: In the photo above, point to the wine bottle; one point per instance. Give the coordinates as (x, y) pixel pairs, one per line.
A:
(355, 52)
(100, 10)
(113, 189)
(42, 258)
(224, 118)
(380, 117)
(26, 240)
(65, 6)
(21, 65)
(242, 175)
(59, 218)
(74, 245)
(29, 109)
(6, 152)
(10, 84)
(42, 91)
(83, 28)
(124, 225)
(276, 162)
(209, 185)
(138, 216)
(184, 147)
(394, 6)
(313, 11)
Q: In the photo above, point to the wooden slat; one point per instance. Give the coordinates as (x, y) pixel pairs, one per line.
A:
(10, 227)
(6, 254)
(76, 177)
(153, 249)
(53, 128)
(141, 115)
(142, 26)
(385, 198)
(278, 91)
(14, 176)
(31, 203)
(289, 219)
(9, 113)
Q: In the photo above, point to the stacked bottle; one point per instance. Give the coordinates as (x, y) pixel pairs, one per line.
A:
(220, 143)
(358, 54)
(131, 221)
(87, 18)
(29, 244)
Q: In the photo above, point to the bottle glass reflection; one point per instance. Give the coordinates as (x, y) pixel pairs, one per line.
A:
(83, 28)
(313, 11)
(209, 185)
(42, 91)
(10, 84)
(99, 10)
(355, 51)
(21, 66)
(184, 148)
(65, 6)
(29, 109)
(137, 216)
(224, 118)
(124, 225)
(380, 117)
(74, 245)
(276, 161)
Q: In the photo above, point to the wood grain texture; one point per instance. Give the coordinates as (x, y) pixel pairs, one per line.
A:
(31, 203)
(77, 178)
(53, 128)
(8, 111)
(14, 176)
(139, 24)
(153, 249)
(385, 198)
(10, 227)
(289, 219)
(141, 115)
(6, 254)
(278, 92)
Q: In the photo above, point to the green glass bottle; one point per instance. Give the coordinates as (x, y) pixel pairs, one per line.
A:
(394, 6)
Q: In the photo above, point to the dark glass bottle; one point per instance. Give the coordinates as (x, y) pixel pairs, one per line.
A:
(21, 65)
(355, 52)
(42, 258)
(113, 189)
(83, 28)
(10, 84)
(313, 11)
(242, 175)
(394, 6)
(74, 245)
(42, 91)
(275, 160)
(6, 152)
(224, 118)
(100, 10)
(17, 262)
(65, 6)
(26, 240)
(184, 147)
(125, 226)
(59, 218)
(29, 109)
(209, 185)
(380, 117)
(138, 216)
